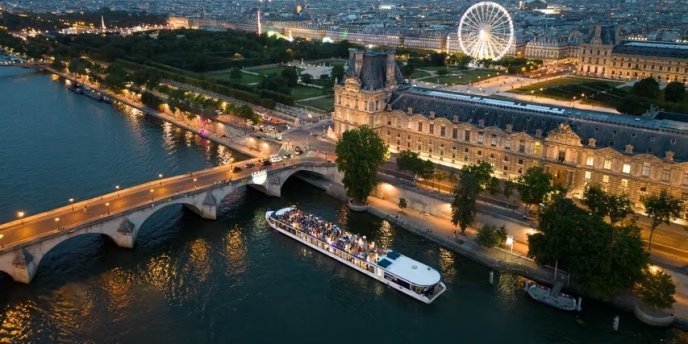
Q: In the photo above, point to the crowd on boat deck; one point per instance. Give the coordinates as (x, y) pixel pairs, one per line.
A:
(330, 233)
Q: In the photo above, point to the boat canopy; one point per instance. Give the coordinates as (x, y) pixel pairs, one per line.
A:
(408, 269)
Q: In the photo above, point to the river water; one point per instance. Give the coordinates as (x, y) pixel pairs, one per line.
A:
(232, 280)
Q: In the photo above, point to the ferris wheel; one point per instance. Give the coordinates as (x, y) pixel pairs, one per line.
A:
(486, 31)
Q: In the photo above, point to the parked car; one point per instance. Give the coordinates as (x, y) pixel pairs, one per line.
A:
(276, 158)
(297, 150)
(267, 162)
(249, 165)
(236, 169)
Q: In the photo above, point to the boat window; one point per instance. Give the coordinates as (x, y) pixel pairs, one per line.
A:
(393, 255)
(384, 263)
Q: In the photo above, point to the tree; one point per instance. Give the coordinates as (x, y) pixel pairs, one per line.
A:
(596, 200)
(116, 77)
(407, 70)
(306, 78)
(648, 88)
(473, 180)
(337, 72)
(675, 91)
(493, 186)
(58, 64)
(604, 260)
(618, 207)
(402, 204)
(534, 185)
(661, 208)
(508, 189)
(235, 74)
(656, 289)
(410, 161)
(290, 75)
(489, 236)
(150, 100)
(359, 153)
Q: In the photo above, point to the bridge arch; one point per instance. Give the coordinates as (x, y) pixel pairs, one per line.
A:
(272, 185)
(47, 247)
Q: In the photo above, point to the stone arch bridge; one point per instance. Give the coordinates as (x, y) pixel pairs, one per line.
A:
(120, 214)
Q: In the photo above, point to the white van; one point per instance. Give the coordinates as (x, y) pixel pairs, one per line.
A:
(276, 158)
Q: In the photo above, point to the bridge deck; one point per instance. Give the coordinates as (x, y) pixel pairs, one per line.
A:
(36, 227)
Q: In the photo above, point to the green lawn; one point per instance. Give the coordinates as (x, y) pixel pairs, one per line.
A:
(594, 91)
(566, 81)
(245, 78)
(269, 70)
(464, 77)
(419, 74)
(326, 103)
(303, 92)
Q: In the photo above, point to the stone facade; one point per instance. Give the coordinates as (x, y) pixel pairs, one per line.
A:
(603, 56)
(624, 155)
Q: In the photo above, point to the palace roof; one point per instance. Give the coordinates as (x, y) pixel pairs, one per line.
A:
(373, 70)
(647, 135)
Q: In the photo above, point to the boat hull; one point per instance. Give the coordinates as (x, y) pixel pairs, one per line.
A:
(378, 274)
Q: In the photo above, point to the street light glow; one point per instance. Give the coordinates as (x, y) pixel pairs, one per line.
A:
(20, 214)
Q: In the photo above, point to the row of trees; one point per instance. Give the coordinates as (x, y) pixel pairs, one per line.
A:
(646, 92)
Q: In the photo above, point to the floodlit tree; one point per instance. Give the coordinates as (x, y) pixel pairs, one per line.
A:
(534, 185)
(648, 88)
(656, 289)
(410, 161)
(490, 236)
(359, 154)
(661, 208)
(337, 72)
(473, 180)
(596, 200)
(618, 207)
(508, 189)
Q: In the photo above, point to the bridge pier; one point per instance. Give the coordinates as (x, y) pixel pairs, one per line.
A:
(23, 266)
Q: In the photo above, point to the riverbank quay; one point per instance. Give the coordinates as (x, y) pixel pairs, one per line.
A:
(511, 260)
(227, 142)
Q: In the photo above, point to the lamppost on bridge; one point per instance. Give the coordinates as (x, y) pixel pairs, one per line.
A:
(195, 180)
(160, 177)
(57, 223)
(151, 192)
(1, 244)
(71, 201)
(20, 216)
(107, 204)
(117, 188)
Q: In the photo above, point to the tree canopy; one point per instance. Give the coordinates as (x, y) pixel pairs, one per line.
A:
(661, 208)
(648, 88)
(603, 259)
(534, 185)
(410, 161)
(473, 180)
(359, 154)
(602, 204)
(675, 91)
(656, 289)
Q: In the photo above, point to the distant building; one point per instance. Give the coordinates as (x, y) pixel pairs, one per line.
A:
(550, 49)
(603, 55)
(637, 156)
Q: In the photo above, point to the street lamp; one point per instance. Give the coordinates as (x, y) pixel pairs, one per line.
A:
(151, 192)
(160, 176)
(195, 180)
(107, 204)
(1, 244)
(71, 201)
(117, 188)
(20, 216)
(57, 223)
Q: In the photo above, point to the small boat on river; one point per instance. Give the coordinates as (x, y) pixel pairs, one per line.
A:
(552, 296)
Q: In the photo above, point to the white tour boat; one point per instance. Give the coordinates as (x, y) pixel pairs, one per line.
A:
(389, 267)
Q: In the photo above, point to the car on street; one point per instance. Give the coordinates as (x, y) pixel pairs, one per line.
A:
(297, 150)
(236, 169)
(249, 165)
(267, 162)
(276, 158)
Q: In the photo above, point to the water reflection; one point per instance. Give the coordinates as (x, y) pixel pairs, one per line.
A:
(447, 264)
(160, 271)
(118, 283)
(16, 323)
(235, 250)
(199, 260)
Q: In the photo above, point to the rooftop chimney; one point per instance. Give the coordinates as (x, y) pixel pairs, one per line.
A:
(391, 79)
(358, 62)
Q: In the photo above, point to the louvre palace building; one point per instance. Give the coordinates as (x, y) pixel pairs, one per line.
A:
(622, 153)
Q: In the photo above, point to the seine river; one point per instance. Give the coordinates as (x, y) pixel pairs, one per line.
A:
(231, 280)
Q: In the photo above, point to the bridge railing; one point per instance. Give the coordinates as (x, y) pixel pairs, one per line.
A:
(15, 225)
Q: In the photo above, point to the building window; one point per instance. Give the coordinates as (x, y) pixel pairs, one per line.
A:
(520, 161)
(493, 141)
(432, 128)
(607, 164)
(506, 158)
(522, 146)
(455, 133)
(605, 179)
(666, 174)
(420, 127)
(389, 120)
(646, 169)
(480, 153)
(442, 131)
(507, 144)
(398, 122)
(480, 137)
(626, 168)
(537, 148)
(588, 176)
(467, 135)
(590, 161)
(624, 183)
(562, 156)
